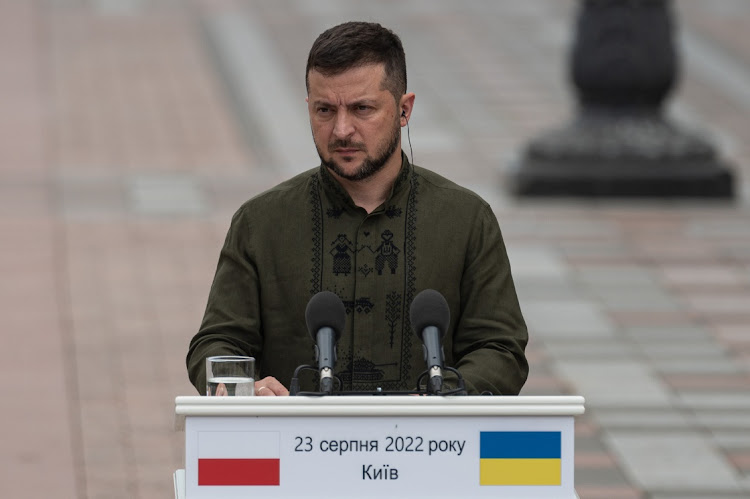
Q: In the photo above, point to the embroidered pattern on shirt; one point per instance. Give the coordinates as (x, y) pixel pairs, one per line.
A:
(364, 370)
(334, 212)
(364, 305)
(364, 375)
(365, 270)
(361, 305)
(393, 212)
(410, 252)
(342, 262)
(387, 252)
(392, 313)
(316, 207)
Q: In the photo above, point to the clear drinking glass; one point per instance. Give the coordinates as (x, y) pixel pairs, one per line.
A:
(230, 375)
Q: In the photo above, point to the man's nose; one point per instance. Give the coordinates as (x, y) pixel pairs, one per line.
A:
(344, 126)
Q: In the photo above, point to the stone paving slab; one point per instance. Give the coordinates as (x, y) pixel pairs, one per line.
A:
(617, 383)
(674, 462)
(571, 318)
(656, 420)
(585, 349)
(716, 400)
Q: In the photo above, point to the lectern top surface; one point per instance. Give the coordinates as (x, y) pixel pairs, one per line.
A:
(352, 406)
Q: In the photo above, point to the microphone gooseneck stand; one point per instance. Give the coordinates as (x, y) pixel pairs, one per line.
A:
(429, 315)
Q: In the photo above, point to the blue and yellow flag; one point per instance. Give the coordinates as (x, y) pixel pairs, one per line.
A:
(519, 458)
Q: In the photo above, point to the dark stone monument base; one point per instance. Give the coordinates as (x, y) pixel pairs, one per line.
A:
(621, 178)
(619, 144)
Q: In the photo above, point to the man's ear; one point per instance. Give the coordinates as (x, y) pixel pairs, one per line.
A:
(406, 105)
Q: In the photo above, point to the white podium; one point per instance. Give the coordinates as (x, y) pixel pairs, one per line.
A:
(377, 446)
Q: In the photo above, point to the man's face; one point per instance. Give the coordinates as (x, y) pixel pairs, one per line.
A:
(355, 123)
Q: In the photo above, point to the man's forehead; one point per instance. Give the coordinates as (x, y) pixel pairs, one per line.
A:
(367, 77)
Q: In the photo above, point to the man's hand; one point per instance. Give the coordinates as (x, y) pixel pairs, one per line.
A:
(270, 387)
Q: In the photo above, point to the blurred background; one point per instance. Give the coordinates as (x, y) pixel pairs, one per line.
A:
(131, 130)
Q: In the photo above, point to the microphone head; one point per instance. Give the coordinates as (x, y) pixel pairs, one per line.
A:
(429, 308)
(325, 309)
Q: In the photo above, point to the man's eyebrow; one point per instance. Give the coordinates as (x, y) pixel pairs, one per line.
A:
(358, 102)
(364, 101)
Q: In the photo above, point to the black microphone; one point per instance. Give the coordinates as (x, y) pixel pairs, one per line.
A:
(430, 317)
(325, 316)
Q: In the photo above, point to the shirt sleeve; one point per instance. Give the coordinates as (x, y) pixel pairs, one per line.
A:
(491, 336)
(231, 324)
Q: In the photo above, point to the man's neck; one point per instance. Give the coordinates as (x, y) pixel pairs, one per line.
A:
(373, 191)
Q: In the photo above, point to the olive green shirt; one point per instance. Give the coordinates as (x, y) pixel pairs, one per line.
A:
(306, 235)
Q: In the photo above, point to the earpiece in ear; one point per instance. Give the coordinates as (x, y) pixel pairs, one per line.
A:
(403, 114)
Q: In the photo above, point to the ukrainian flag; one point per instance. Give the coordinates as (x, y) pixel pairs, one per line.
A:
(519, 458)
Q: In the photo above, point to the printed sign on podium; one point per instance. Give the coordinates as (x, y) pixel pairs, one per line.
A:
(377, 446)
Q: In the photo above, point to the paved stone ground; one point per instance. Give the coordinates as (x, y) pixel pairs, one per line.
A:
(132, 129)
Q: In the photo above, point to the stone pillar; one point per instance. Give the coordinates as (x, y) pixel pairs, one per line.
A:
(623, 67)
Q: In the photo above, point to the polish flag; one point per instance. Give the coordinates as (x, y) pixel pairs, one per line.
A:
(238, 458)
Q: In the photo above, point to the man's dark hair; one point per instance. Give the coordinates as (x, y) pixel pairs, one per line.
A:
(354, 44)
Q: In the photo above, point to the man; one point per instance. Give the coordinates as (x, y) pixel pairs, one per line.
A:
(372, 228)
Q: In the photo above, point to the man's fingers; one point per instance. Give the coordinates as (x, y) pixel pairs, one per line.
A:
(276, 387)
(269, 387)
(264, 391)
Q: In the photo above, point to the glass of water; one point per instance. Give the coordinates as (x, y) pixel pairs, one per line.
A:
(230, 375)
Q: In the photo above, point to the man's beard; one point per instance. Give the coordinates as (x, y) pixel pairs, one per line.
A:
(370, 166)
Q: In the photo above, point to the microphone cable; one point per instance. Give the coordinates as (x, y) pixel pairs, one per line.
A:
(408, 136)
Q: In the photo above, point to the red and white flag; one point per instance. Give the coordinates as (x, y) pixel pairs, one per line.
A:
(238, 458)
